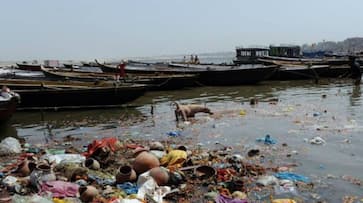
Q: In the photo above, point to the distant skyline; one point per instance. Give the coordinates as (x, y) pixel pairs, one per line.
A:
(89, 29)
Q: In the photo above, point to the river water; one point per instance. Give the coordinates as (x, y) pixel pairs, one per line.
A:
(331, 109)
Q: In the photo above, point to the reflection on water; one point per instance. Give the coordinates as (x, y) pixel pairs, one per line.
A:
(89, 121)
(355, 96)
(63, 119)
(330, 109)
(7, 130)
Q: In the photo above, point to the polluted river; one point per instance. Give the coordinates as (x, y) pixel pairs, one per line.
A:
(316, 131)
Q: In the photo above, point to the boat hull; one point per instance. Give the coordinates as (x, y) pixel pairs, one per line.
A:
(7, 108)
(30, 67)
(52, 97)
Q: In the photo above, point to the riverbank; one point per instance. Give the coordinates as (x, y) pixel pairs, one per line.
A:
(291, 112)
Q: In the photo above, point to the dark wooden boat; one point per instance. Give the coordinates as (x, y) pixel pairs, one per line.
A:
(211, 74)
(78, 96)
(156, 82)
(303, 61)
(142, 68)
(229, 75)
(8, 107)
(300, 72)
(30, 67)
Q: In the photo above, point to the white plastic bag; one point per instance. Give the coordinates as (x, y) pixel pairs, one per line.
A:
(10, 145)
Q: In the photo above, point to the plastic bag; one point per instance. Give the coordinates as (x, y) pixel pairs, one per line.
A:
(10, 145)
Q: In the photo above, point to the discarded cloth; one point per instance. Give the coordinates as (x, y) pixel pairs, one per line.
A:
(224, 199)
(60, 188)
(291, 176)
(174, 158)
(128, 187)
(109, 142)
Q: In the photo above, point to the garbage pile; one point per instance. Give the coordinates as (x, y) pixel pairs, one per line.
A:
(128, 171)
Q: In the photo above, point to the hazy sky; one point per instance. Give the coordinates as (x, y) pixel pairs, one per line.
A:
(88, 29)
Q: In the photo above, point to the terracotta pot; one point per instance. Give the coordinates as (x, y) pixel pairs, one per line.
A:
(157, 146)
(87, 193)
(204, 172)
(41, 173)
(92, 164)
(138, 150)
(145, 161)
(160, 175)
(25, 168)
(125, 174)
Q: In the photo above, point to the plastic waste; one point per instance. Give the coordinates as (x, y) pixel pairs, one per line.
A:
(30, 199)
(242, 112)
(283, 201)
(291, 176)
(267, 140)
(267, 180)
(317, 140)
(315, 114)
(174, 133)
(64, 158)
(148, 188)
(10, 145)
(55, 151)
(130, 201)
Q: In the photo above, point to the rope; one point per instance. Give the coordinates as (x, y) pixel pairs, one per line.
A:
(163, 83)
(199, 83)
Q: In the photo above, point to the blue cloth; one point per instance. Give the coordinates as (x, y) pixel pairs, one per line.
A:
(267, 140)
(128, 187)
(291, 176)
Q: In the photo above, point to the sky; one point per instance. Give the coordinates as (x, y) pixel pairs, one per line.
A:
(89, 29)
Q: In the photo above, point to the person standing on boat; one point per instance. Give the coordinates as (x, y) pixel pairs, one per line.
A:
(191, 59)
(121, 73)
(355, 68)
(196, 59)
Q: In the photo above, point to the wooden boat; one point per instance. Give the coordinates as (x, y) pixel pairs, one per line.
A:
(8, 107)
(30, 67)
(156, 82)
(228, 75)
(300, 72)
(209, 74)
(78, 96)
(303, 61)
(141, 68)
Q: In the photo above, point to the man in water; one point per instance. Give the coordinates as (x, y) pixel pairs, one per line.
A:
(355, 68)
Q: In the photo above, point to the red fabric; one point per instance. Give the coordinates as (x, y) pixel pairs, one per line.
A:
(122, 69)
(109, 142)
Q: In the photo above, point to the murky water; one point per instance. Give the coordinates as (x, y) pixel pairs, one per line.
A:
(331, 109)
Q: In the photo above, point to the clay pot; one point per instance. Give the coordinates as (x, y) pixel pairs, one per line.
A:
(160, 175)
(145, 161)
(204, 172)
(87, 193)
(42, 173)
(125, 174)
(25, 168)
(92, 164)
(138, 150)
(157, 146)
